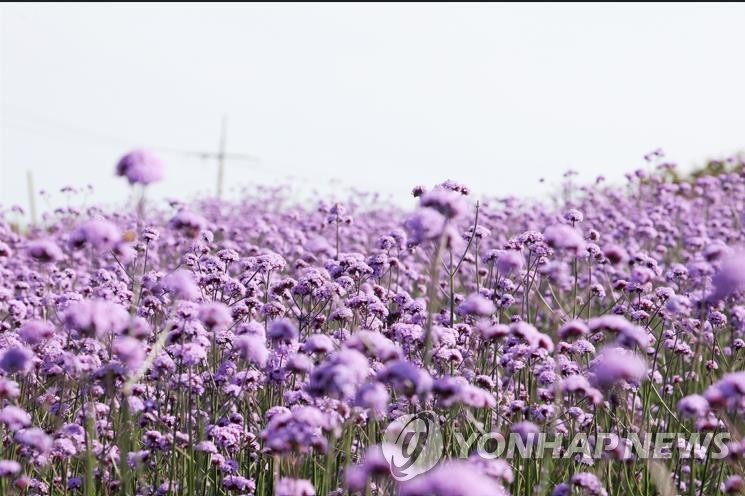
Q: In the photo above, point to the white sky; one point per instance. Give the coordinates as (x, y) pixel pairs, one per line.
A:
(379, 96)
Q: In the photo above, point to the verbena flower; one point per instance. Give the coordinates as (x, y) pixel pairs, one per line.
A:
(294, 487)
(453, 479)
(140, 167)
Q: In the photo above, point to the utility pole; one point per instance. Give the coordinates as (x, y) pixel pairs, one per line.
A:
(221, 156)
(31, 196)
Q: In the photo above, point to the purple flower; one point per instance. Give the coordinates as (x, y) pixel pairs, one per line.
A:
(339, 375)
(579, 385)
(99, 234)
(45, 251)
(374, 397)
(527, 431)
(189, 223)
(374, 345)
(35, 331)
(96, 318)
(374, 464)
(449, 204)
(693, 405)
(573, 329)
(130, 351)
(573, 215)
(730, 278)
(615, 254)
(283, 331)
(476, 397)
(318, 343)
(180, 283)
(531, 336)
(406, 378)
(455, 478)
(589, 483)
(733, 485)
(215, 316)
(509, 262)
(14, 418)
(9, 468)
(299, 363)
(616, 365)
(629, 335)
(9, 389)
(34, 438)
(140, 167)
(300, 430)
(562, 236)
(16, 360)
(729, 389)
(237, 483)
(294, 487)
(206, 447)
(476, 305)
(252, 348)
(424, 225)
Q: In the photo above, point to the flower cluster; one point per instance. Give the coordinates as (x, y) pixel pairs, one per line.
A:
(256, 347)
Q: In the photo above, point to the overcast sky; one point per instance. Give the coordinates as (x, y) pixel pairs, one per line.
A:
(378, 96)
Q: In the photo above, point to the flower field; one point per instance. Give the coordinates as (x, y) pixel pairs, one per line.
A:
(263, 347)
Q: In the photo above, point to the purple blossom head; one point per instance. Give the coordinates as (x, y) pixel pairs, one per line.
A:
(9, 468)
(189, 223)
(509, 262)
(35, 439)
(240, 484)
(294, 487)
(588, 483)
(339, 375)
(628, 334)
(496, 468)
(424, 225)
(730, 278)
(140, 167)
(252, 348)
(14, 418)
(99, 234)
(96, 318)
(564, 237)
(527, 431)
(693, 405)
(301, 429)
(33, 332)
(215, 316)
(318, 343)
(448, 203)
(406, 378)
(374, 397)
(733, 485)
(455, 478)
(573, 216)
(45, 251)
(573, 329)
(16, 359)
(618, 365)
(129, 351)
(283, 331)
(180, 283)
(728, 390)
(477, 306)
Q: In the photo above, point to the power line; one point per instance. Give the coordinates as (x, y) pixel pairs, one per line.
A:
(48, 123)
(40, 125)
